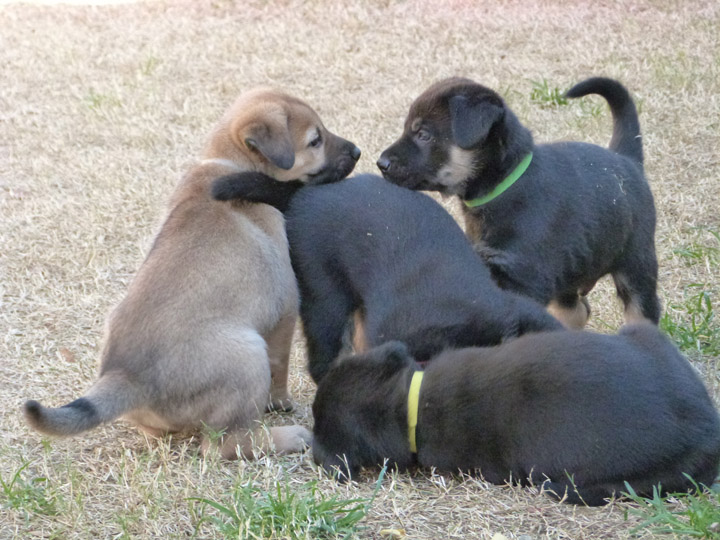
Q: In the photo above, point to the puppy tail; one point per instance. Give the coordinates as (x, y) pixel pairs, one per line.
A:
(626, 138)
(255, 187)
(110, 397)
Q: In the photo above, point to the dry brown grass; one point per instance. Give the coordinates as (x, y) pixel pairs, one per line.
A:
(102, 108)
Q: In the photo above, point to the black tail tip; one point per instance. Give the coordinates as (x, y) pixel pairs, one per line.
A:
(32, 409)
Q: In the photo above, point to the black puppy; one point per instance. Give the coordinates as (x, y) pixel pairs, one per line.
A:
(578, 412)
(549, 219)
(395, 257)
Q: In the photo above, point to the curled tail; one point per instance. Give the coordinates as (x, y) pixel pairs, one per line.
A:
(626, 139)
(255, 187)
(110, 397)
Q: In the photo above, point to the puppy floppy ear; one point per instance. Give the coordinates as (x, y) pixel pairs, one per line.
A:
(471, 122)
(269, 136)
(394, 355)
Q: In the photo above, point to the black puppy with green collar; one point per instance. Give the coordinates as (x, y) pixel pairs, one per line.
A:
(576, 412)
(550, 219)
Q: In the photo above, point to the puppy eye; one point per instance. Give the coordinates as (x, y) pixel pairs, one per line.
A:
(423, 135)
(317, 141)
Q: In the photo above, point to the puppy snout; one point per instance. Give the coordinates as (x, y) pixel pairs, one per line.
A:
(355, 153)
(384, 163)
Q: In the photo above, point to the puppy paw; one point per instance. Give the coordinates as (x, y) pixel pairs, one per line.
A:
(280, 404)
(290, 439)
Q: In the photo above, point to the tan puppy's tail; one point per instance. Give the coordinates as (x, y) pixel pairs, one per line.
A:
(110, 397)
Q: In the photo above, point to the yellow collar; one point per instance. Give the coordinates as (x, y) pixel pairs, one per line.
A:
(413, 399)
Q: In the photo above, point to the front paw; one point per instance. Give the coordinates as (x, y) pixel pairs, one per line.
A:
(280, 404)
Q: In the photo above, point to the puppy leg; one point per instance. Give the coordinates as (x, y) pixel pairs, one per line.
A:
(359, 341)
(324, 323)
(354, 340)
(258, 442)
(637, 288)
(572, 310)
(279, 343)
(237, 396)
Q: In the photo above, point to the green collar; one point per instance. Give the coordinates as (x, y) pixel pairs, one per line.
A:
(502, 186)
(413, 401)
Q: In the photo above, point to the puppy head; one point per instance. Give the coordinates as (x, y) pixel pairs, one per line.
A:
(447, 139)
(359, 412)
(274, 133)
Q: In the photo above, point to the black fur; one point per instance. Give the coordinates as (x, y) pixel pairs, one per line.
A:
(578, 212)
(255, 187)
(399, 258)
(583, 412)
(84, 405)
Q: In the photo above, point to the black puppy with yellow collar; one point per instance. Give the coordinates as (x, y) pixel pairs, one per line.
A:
(578, 412)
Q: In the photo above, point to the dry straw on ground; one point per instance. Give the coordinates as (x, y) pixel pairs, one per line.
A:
(102, 108)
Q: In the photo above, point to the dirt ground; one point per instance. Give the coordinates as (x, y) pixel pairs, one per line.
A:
(102, 108)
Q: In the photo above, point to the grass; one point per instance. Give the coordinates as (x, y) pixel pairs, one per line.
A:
(293, 513)
(97, 101)
(684, 515)
(703, 249)
(692, 323)
(104, 108)
(34, 496)
(545, 96)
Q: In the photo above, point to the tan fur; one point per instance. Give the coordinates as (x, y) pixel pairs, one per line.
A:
(633, 313)
(203, 336)
(360, 342)
(458, 169)
(574, 318)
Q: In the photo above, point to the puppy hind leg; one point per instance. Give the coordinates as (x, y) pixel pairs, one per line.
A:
(324, 323)
(239, 394)
(279, 343)
(572, 310)
(354, 340)
(638, 291)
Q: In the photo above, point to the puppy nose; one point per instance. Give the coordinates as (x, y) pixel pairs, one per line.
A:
(383, 163)
(355, 153)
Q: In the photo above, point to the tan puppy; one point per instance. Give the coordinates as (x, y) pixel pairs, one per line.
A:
(204, 333)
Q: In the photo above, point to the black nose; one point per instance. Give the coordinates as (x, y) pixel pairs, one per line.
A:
(383, 163)
(355, 153)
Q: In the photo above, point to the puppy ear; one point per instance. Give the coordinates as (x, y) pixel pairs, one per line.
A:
(271, 138)
(394, 355)
(471, 122)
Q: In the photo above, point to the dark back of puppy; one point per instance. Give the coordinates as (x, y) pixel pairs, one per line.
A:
(585, 411)
(396, 255)
(400, 258)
